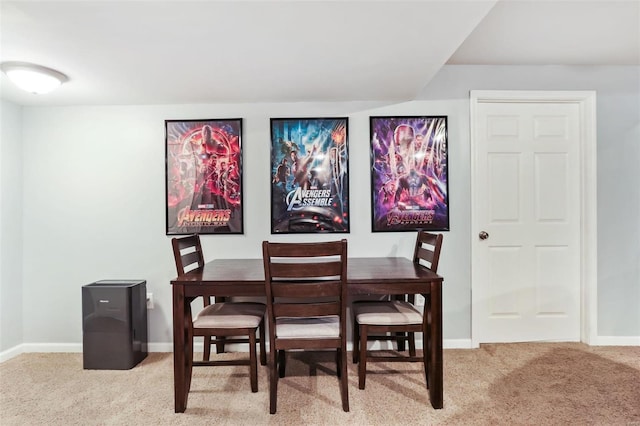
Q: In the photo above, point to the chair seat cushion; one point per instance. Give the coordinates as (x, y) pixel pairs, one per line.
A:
(386, 313)
(230, 315)
(308, 327)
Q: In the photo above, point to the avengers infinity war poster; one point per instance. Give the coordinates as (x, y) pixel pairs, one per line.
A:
(204, 176)
(309, 175)
(409, 180)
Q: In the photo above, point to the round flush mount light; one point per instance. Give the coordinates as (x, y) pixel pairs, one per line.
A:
(33, 78)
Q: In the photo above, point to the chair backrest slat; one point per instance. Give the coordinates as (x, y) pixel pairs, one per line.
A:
(427, 249)
(299, 289)
(306, 310)
(305, 270)
(187, 253)
(302, 250)
(189, 259)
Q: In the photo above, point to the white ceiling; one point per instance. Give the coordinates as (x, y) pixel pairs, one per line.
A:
(180, 52)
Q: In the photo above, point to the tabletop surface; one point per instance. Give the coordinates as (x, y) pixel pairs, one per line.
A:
(359, 269)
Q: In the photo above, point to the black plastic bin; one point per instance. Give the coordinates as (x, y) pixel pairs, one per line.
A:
(114, 324)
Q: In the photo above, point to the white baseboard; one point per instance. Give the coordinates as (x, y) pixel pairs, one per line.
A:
(40, 348)
(457, 344)
(616, 341)
(67, 348)
(52, 347)
(10, 353)
(168, 347)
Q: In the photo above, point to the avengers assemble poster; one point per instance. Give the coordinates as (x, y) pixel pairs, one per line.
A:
(309, 175)
(204, 176)
(409, 179)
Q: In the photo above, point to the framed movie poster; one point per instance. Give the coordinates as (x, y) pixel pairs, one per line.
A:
(309, 175)
(409, 180)
(204, 176)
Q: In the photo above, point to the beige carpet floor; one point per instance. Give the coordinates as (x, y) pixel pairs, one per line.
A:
(506, 384)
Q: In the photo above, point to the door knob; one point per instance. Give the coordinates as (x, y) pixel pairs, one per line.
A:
(483, 235)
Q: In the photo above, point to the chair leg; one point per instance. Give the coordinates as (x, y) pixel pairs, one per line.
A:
(412, 343)
(263, 346)
(400, 339)
(206, 353)
(253, 361)
(425, 362)
(273, 381)
(362, 363)
(426, 340)
(189, 358)
(282, 363)
(356, 341)
(344, 380)
(219, 346)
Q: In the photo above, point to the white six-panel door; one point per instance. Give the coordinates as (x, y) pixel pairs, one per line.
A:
(526, 222)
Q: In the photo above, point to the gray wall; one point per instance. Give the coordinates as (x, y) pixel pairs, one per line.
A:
(92, 197)
(11, 313)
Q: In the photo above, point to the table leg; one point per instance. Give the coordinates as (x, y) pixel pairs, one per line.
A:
(180, 366)
(436, 364)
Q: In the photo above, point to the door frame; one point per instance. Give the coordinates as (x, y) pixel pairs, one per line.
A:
(586, 100)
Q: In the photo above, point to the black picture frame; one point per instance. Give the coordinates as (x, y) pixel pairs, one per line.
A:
(309, 175)
(409, 173)
(203, 170)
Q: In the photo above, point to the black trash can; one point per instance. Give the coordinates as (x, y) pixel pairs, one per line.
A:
(114, 324)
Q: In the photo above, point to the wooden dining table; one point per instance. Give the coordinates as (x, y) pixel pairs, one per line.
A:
(365, 276)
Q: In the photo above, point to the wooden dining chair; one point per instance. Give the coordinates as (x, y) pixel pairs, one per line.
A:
(397, 319)
(306, 287)
(223, 322)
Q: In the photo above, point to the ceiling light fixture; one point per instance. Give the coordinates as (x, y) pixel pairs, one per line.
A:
(33, 78)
